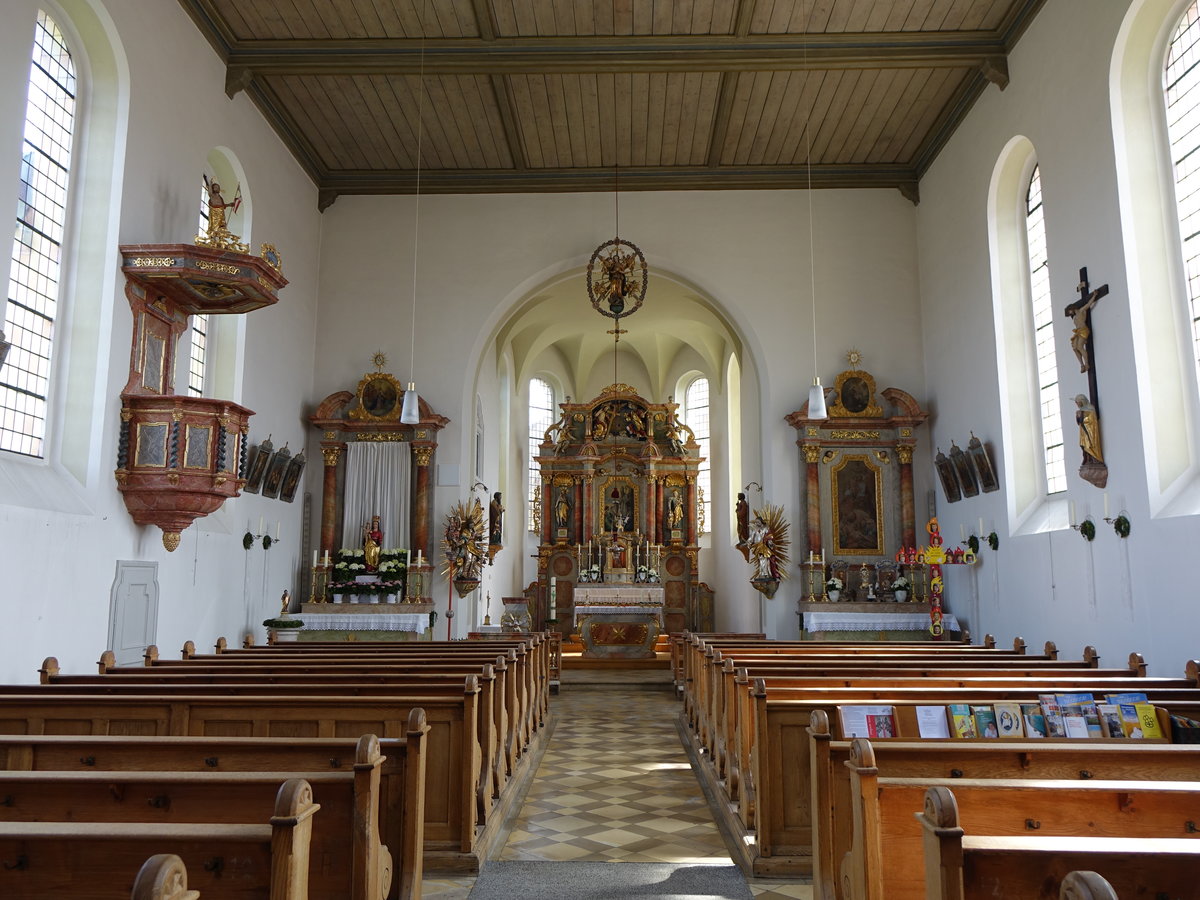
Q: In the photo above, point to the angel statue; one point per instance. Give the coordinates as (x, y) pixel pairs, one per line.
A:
(768, 545)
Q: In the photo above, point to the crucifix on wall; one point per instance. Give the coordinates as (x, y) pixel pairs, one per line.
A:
(1087, 414)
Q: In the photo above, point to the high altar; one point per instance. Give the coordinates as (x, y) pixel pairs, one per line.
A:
(618, 551)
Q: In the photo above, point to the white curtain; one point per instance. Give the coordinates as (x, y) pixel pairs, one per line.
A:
(377, 484)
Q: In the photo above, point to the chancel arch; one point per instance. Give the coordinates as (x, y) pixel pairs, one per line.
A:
(552, 336)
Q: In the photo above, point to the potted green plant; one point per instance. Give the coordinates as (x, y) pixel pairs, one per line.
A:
(281, 629)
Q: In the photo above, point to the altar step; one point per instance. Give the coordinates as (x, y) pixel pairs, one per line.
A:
(572, 658)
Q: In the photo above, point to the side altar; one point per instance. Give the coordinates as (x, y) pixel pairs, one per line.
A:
(619, 518)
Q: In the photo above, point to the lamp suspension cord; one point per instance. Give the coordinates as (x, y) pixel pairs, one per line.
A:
(812, 256)
(412, 353)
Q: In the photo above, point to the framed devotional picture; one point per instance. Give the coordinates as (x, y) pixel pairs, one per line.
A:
(274, 479)
(291, 478)
(945, 472)
(962, 468)
(258, 466)
(982, 464)
(857, 488)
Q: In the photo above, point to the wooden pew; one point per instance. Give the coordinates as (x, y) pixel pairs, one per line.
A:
(1079, 761)
(680, 639)
(452, 754)
(268, 860)
(524, 690)
(401, 823)
(885, 858)
(349, 859)
(1086, 886)
(554, 663)
(960, 866)
(496, 733)
(162, 877)
(772, 757)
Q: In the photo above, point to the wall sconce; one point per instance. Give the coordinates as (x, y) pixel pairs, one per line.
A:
(249, 539)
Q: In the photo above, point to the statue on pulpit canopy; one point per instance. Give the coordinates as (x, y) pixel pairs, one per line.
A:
(372, 542)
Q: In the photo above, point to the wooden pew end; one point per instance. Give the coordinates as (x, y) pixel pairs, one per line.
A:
(49, 669)
(818, 722)
(1019, 644)
(1192, 670)
(989, 641)
(1091, 657)
(163, 877)
(248, 641)
(941, 810)
(150, 657)
(1051, 650)
(189, 650)
(221, 645)
(108, 660)
(862, 757)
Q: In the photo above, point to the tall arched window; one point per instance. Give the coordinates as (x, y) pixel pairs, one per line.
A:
(198, 326)
(1181, 89)
(541, 417)
(1043, 329)
(32, 307)
(695, 416)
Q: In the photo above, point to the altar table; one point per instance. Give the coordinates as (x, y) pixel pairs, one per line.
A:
(870, 621)
(619, 621)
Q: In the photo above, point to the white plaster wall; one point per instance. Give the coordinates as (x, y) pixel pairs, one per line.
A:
(1122, 596)
(59, 566)
(481, 256)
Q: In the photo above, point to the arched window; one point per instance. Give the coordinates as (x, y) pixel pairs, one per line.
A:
(541, 417)
(695, 416)
(32, 307)
(1043, 331)
(198, 326)
(1181, 90)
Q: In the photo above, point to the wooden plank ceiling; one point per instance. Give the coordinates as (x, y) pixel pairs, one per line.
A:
(551, 95)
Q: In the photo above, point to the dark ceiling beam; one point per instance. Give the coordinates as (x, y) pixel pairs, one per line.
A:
(743, 17)
(622, 54)
(485, 20)
(948, 120)
(512, 125)
(651, 178)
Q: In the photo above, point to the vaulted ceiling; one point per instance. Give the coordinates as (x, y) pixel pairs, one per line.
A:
(554, 95)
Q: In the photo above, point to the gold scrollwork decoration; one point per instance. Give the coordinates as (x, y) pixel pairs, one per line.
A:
(812, 453)
(423, 455)
(153, 262)
(224, 268)
(812, 431)
(904, 453)
(854, 435)
(905, 432)
(332, 455)
(381, 437)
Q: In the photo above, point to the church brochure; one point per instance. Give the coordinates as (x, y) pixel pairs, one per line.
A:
(985, 721)
(1035, 722)
(962, 722)
(1008, 720)
(867, 721)
(931, 722)
(1110, 720)
(1052, 715)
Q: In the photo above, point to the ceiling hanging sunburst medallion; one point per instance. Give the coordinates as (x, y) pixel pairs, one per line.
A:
(616, 279)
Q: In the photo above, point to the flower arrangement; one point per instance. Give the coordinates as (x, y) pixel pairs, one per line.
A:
(392, 562)
(833, 584)
(901, 584)
(277, 623)
(367, 587)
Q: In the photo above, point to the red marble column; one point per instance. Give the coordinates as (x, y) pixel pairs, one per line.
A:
(329, 500)
(908, 511)
(547, 507)
(589, 513)
(422, 501)
(813, 488)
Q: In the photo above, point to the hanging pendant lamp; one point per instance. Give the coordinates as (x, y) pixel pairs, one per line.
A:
(410, 412)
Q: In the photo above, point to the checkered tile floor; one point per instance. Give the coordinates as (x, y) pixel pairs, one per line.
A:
(615, 784)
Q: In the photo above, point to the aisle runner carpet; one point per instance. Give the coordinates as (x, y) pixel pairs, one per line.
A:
(532, 880)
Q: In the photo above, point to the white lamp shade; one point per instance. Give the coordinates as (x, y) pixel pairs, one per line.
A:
(409, 413)
(816, 401)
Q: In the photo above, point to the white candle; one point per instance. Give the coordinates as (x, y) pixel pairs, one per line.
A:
(260, 525)
(981, 527)
(314, 559)
(962, 532)
(326, 557)
(1106, 504)
(278, 529)
(1072, 513)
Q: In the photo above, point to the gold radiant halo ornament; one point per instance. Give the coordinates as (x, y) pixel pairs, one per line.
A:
(616, 280)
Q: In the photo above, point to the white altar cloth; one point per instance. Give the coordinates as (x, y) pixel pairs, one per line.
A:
(862, 621)
(610, 599)
(414, 622)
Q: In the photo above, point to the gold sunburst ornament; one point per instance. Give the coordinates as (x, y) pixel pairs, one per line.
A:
(768, 545)
(464, 545)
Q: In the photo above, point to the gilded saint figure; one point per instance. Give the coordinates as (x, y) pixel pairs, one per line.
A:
(562, 508)
(372, 542)
(1089, 430)
(675, 510)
